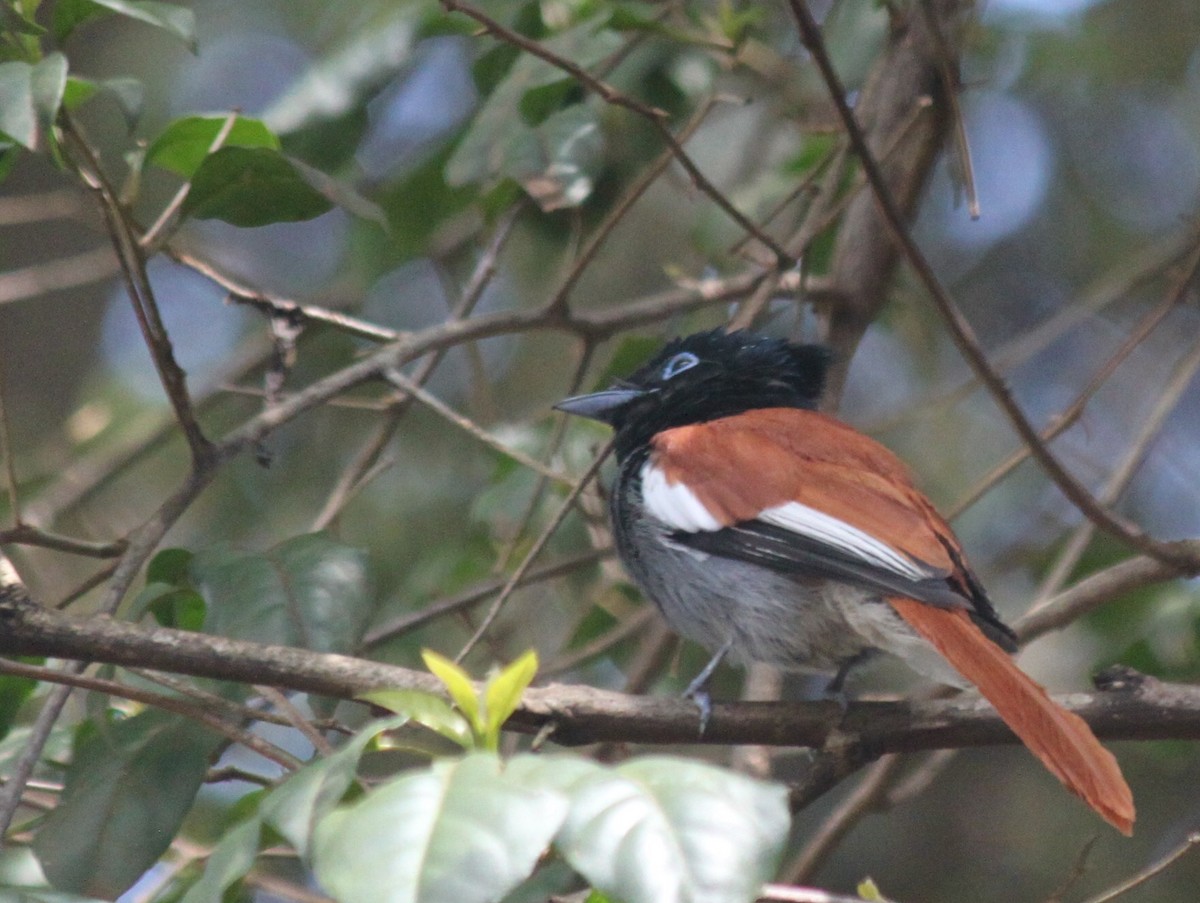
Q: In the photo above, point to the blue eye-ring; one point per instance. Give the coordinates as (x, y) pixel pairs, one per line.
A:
(685, 360)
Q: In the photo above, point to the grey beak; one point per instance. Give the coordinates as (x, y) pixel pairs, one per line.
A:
(600, 406)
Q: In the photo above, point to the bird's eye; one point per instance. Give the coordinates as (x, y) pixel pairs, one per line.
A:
(685, 360)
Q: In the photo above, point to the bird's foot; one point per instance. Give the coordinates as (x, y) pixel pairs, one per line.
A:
(697, 692)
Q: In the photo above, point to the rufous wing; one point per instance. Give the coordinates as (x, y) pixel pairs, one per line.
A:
(1061, 739)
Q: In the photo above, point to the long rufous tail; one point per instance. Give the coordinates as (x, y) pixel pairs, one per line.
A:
(1061, 739)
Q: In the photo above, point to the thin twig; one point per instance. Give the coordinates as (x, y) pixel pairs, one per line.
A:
(1121, 476)
(1096, 590)
(469, 426)
(540, 543)
(90, 583)
(951, 80)
(59, 203)
(296, 718)
(235, 711)
(656, 117)
(156, 234)
(1070, 416)
(867, 796)
(784, 893)
(473, 596)
(273, 305)
(1078, 869)
(552, 447)
(960, 330)
(358, 472)
(39, 734)
(574, 658)
(614, 216)
(1111, 287)
(141, 293)
(1192, 840)
(68, 679)
(32, 536)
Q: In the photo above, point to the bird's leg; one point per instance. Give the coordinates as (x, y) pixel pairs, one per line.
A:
(835, 689)
(697, 690)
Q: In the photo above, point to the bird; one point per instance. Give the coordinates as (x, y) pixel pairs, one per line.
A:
(769, 531)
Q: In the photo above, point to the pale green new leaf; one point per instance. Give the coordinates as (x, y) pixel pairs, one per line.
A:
(458, 685)
(431, 711)
(503, 693)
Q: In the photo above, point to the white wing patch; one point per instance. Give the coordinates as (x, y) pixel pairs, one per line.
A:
(820, 526)
(678, 507)
(673, 503)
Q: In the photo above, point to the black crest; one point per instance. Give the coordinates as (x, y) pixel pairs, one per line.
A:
(715, 374)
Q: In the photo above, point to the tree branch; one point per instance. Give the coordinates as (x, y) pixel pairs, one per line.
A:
(1142, 708)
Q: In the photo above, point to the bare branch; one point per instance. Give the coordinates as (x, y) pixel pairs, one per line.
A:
(866, 797)
(229, 730)
(536, 549)
(1190, 842)
(961, 331)
(656, 117)
(141, 294)
(1142, 708)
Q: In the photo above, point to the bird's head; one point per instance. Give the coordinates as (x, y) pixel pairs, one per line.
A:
(702, 377)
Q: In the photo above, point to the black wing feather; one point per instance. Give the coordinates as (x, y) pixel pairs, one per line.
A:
(787, 551)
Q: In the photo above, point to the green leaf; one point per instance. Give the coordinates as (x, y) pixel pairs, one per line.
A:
(558, 168)
(169, 595)
(431, 711)
(48, 81)
(9, 154)
(503, 694)
(18, 114)
(339, 83)
(700, 832)
(228, 863)
(458, 685)
(869, 890)
(177, 21)
(309, 591)
(500, 143)
(170, 566)
(252, 186)
(291, 809)
(182, 146)
(129, 93)
(19, 21)
(308, 795)
(78, 91)
(180, 609)
(421, 202)
(127, 790)
(14, 691)
(458, 832)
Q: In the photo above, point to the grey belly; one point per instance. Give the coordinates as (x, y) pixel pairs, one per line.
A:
(767, 617)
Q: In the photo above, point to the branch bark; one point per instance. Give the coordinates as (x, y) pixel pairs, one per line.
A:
(1134, 708)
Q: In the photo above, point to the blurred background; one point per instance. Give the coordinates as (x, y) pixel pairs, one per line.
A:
(1083, 123)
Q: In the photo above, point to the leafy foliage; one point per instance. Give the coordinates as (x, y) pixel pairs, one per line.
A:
(129, 786)
(472, 181)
